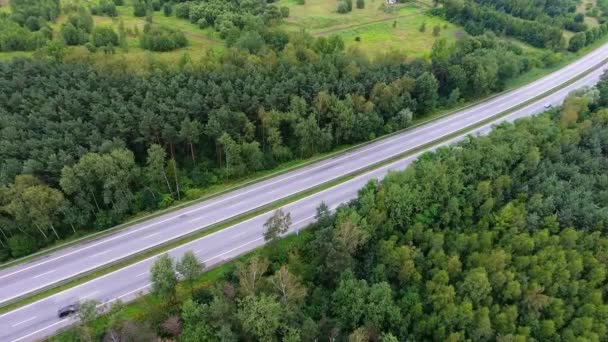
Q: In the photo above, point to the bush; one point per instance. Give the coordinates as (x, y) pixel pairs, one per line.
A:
(284, 12)
(104, 36)
(156, 5)
(301, 2)
(436, 30)
(163, 39)
(139, 9)
(342, 7)
(360, 4)
(167, 10)
(182, 10)
(119, 2)
(577, 42)
(21, 245)
(105, 8)
(5, 254)
(73, 36)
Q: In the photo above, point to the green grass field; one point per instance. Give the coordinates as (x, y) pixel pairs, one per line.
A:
(371, 29)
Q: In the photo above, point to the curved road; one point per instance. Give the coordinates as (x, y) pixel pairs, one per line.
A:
(39, 319)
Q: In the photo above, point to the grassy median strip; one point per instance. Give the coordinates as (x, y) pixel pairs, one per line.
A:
(68, 283)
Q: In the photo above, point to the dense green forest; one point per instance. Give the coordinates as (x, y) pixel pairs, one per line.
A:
(105, 144)
(500, 237)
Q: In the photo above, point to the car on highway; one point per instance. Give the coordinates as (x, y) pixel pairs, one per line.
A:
(548, 105)
(67, 311)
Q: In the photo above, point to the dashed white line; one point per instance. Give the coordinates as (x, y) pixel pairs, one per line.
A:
(151, 235)
(141, 275)
(43, 274)
(27, 320)
(89, 295)
(100, 253)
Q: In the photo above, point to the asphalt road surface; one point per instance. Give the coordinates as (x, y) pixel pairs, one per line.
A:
(39, 319)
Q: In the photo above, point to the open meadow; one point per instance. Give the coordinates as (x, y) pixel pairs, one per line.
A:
(378, 27)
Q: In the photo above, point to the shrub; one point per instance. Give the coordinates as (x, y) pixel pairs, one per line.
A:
(342, 7)
(301, 2)
(360, 4)
(104, 36)
(21, 245)
(162, 39)
(139, 9)
(284, 12)
(577, 42)
(182, 10)
(167, 10)
(72, 35)
(436, 30)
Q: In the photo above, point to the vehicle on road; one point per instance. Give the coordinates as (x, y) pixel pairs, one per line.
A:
(548, 105)
(67, 311)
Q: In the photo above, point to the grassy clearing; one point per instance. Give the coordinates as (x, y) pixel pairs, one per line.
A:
(406, 36)
(200, 42)
(320, 15)
(371, 29)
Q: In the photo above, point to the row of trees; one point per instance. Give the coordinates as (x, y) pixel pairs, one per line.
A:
(234, 115)
(499, 238)
(477, 19)
(537, 23)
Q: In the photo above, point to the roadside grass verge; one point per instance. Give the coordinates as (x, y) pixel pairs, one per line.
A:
(198, 234)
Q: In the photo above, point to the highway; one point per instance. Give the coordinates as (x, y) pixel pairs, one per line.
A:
(39, 319)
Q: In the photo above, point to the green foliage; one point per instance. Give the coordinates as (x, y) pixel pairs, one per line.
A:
(22, 245)
(104, 36)
(163, 278)
(16, 38)
(39, 10)
(105, 7)
(139, 8)
(577, 42)
(167, 9)
(162, 39)
(360, 4)
(342, 7)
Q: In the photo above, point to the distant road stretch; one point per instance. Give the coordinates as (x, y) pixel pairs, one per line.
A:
(39, 319)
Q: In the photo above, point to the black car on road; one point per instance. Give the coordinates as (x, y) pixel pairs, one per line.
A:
(67, 311)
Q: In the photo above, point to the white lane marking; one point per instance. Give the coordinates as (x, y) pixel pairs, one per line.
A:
(233, 237)
(141, 275)
(151, 235)
(89, 295)
(233, 249)
(27, 320)
(43, 274)
(39, 330)
(388, 140)
(100, 253)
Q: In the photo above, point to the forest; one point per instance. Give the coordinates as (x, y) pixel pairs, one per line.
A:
(500, 237)
(102, 145)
